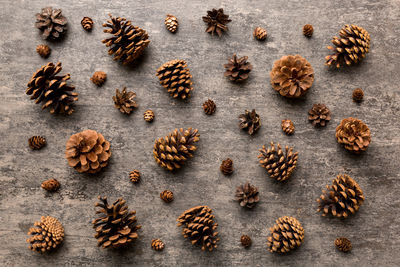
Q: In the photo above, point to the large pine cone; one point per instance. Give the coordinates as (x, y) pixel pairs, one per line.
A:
(199, 227)
(350, 48)
(116, 225)
(292, 76)
(124, 101)
(342, 198)
(52, 89)
(319, 115)
(247, 195)
(287, 234)
(250, 121)
(88, 151)
(46, 235)
(216, 21)
(127, 42)
(172, 151)
(354, 134)
(51, 22)
(176, 78)
(279, 165)
(238, 69)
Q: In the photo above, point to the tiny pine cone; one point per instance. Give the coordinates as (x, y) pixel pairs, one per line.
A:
(148, 115)
(167, 196)
(99, 78)
(134, 176)
(87, 23)
(226, 166)
(36, 142)
(287, 127)
(358, 95)
(157, 244)
(51, 185)
(246, 241)
(308, 30)
(43, 50)
(343, 244)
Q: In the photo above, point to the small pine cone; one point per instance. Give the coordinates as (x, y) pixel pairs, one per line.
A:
(238, 69)
(308, 30)
(124, 101)
(216, 21)
(287, 234)
(134, 176)
(148, 115)
(319, 115)
(353, 134)
(226, 166)
(99, 78)
(87, 23)
(36, 142)
(246, 241)
(51, 185)
(358, 95)
(247, 195)
(343, 244)
(250, 121)
(209, 107)
(167, 196)
(287, 127)
(51, 22)
(157, 244)
(43, 50)
(260, 33)
(46, 234)
(171, 22)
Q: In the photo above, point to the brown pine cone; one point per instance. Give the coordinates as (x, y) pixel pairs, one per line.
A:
(99, 78)
(51, 185)
(247, 195)
(308, 30)
(43, 50)
(260, 33)
(250, 121)
(87, 23)
(343, 244)
(209, 107)
(36, 142)
(171, 22)
(319, 115)
(226, 166)
(358, 95)
(51, 22)
(148, 115)
(287, 234)
(246, 241)
(46, 234)
(134, 176)
(354, 134)
(157, 244)
(287, 127)
(124, 101)
(167, 196)
(238, 69)
(216, 21)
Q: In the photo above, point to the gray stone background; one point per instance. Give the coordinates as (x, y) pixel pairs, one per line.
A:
(374, 230)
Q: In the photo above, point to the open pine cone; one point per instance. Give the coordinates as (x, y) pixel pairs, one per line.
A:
(238, 69)
(52, 90)
(127, 42)
(292, 76)
(319, 115)
(51, 22)
(354, 134)
(216, 21)
(46, 235)
(249, 121)
(199, 227)
(124, 101)
(287, 234)
(88, 151)
(342, 198)
(247, 195)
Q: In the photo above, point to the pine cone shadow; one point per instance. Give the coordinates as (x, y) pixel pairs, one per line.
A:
(138, 62)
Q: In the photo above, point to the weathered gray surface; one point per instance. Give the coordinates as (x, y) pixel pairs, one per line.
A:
(374, 231)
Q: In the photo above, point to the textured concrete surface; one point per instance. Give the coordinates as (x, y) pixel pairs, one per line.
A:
(374, 230)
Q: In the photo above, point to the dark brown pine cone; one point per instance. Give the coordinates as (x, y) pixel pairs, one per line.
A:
(124, 101)
(209, 107)
(250, 121)
(260, 33)
(51, 185)
(46, 235)
(238, 69)
(358, 95)
(51, 22)
(167, 196)
(287, 127)
(157, 244)
(308, 30)
(87, 23)
(287, 234)
(226, 166)
(247, 195)
(171, 22)
(343, 244)
(43, 50)
(134, 176)
(36, 142)
(216, 21)
(148, 115)
(319, 115)
(245, 240)
(99, 78)
(353, 134)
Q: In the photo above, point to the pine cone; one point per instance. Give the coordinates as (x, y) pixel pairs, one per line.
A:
(43, 50)
(36, 142)
(87, 23)
(99, 78)
(354, 134)
(167, 196)
(280, 166)
(134, 176)
(157, 244)
(51, 185)
(171, 22)
(124, 101)
(52, 89)
(350, 48)
(238, 69)
(172, 151)
(250, 121)
(226, 166)
(308, 30)
(247, 195)
(292, 76)
(45, 235)
(148, 115)
(343, 244)
(246, 241)
(358, 95)
(287, 234)
(127, 42)
(88, 151)
(209, 107)
(260, 33)
(51, 22)
(175, 77)
(342, 198)
(287, 127)
(319, 115)
(216, 21)
(116, 226)
(199, 227)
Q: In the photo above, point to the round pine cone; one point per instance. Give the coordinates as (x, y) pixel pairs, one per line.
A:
(287, 127)
(343, 244)
(287, 234)
(354, 134)
(292, 76)
(167, 196)
(51, 185)
(319, 115)
(36, 142)
(226, 166)
(51, 22)
(216, 21)
(157, 244)
(124, 101)
(358, 95)
(43, 50)
(209, 107)
(148, 115)
(260, 33)
(46, 234)
(238, 69)
(250, 121)
(134, 176)
(99, 78)
(87, 23)
(245, 240)
(247, 195)
(88, 151)
(171, 22)
(308, 30)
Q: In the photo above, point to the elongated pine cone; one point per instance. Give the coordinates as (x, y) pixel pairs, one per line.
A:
(319, 115)
(209, 107)
(134, 176)
(353, 134)
(51, 22)
(245, 240)
(36, 142)
(148, 115)
(279, 165)
(167, 196)
(87, 23)
(358, 95)
(226, 166)
(287, 127)
(51, 185)
(171, 22)
(115, 226)
(99, 78)
(43, 50)
(238, 69)
(127, 42)
(46, 234)
(52, 90)
(247, 195)
(124, 101)
(292, 76)
(216, 21)
(176, 78)
(342, 198)
(308, 30)
(343, 244)
(157, 244)
(260, 33)
(172, 151)
(350, 48)
(87, 151)
(199, 227)
(287, 234)
(249, 121)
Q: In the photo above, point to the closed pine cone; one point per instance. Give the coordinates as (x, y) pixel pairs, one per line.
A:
(46, 234)
(87, 151)
(148, 115)
(342, 198)
(115, 226)
(238, 69)
(199, 227)
(279, 165)
(157, 244)
(247, 195)
(176, 78)
(350, 48)
(358, 95)
(292, 76)
(216, 21)
(260, 33)
(43, 50)
(36, 142)
(343, 244)
(353, 134)
(209, 107)
(99, 78)
(172, 151)
(167, 196)
(124, 101)
(250, 121)
(308, 30)
(51, 89)
(287, 127)
(51, 185)
(171, 22)
(87, 23)
(51, 22)
(319, 115)
(287, 234)
(134, 176)
(226, 166)
(127, 42)
(245, 240)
